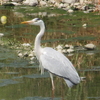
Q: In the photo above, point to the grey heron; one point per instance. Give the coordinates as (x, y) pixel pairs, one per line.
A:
(53, 61)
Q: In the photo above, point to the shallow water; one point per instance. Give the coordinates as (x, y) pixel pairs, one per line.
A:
(20, 80)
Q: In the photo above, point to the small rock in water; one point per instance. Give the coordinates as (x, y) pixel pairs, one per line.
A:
(59, 47)
(1, 34)
(26, 44)
(84, 25)
(64, 51)
(31, 55)
(31, 62)
(32, 58)
(70, 11)
(70, 50)
(25, 54)
(67, 46)
(90, 46)
(20, 55)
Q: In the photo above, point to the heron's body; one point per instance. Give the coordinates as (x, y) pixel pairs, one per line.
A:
(53, 61)
(60, 65)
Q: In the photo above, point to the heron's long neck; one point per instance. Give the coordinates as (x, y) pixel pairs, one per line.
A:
(37, 45)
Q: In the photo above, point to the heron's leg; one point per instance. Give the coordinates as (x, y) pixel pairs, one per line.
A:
(51, 76)
(69, 92)
(41, 68)
(53, 87)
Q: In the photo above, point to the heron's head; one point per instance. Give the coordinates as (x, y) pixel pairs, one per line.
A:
(35, 21)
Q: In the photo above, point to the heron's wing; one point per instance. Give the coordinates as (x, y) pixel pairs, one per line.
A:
(56, 63)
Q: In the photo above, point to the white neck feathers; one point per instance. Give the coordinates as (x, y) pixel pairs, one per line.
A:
(37, 45)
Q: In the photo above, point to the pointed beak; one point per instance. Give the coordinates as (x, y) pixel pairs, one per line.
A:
(26, 22)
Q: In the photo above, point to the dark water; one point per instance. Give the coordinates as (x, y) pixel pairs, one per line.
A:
(20, 80)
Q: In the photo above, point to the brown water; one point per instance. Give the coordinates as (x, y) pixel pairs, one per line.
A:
(20, 80)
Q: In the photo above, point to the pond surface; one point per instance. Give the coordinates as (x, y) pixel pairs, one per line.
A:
(21, 80)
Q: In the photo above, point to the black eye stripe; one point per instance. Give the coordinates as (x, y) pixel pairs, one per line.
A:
(38, 18)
